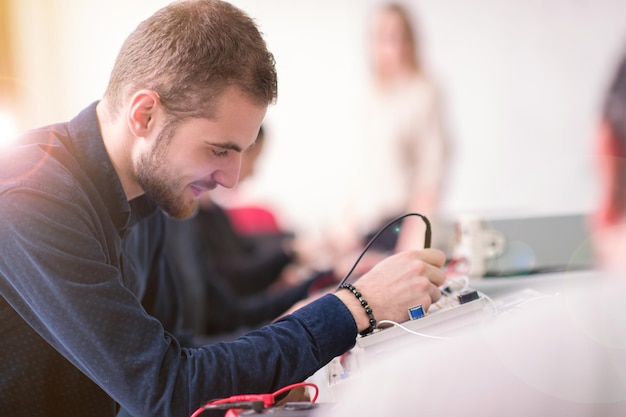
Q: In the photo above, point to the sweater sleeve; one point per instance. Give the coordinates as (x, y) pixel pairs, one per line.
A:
(57, 275)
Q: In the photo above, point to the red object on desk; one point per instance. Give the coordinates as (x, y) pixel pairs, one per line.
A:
(263, 400)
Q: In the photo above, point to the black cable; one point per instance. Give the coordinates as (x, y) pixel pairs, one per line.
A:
(427, 240)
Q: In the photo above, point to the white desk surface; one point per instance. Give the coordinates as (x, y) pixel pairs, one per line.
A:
(497, 286)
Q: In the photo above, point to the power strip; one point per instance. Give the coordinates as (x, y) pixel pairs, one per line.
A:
(440, 320)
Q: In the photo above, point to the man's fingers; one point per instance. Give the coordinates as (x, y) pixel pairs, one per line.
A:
(435, 293)
(432, 256)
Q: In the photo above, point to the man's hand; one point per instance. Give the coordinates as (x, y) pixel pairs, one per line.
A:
(402, 280)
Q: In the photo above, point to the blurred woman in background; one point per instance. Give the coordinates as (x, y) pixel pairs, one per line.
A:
(404, 149)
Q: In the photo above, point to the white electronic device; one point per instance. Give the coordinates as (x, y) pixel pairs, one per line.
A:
(460, 308)
(455, 310)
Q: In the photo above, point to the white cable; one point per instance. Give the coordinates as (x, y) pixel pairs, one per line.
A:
(410, 331)
(493, 303)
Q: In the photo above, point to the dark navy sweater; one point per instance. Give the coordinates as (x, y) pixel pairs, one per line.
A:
(76, 339)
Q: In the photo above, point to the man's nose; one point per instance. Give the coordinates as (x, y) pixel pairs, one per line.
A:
(228, 176)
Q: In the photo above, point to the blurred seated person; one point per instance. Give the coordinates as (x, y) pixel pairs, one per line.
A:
(209, 304)
(244, 240)
(252, 263)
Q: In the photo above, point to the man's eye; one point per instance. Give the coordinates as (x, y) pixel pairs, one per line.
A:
(220, 153)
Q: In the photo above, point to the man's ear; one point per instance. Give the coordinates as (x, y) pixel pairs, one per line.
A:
(144, 106)
(610, 162)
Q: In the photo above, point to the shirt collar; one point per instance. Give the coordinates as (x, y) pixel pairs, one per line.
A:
(95, 161)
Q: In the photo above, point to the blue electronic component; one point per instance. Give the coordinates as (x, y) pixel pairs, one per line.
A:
(416, 312)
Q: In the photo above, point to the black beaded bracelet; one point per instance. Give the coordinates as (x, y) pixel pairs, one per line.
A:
(366, 306)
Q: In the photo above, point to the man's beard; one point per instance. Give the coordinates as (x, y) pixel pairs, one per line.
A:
(155, 179)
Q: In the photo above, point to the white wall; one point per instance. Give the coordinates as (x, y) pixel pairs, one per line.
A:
(522, 82)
